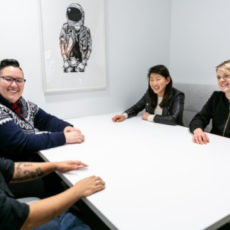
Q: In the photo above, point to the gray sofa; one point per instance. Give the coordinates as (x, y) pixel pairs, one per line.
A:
(196, 95)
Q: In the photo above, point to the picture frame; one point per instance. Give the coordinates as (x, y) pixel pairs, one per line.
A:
(73, 45)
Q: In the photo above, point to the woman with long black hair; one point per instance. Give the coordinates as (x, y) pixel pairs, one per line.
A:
(162, 103)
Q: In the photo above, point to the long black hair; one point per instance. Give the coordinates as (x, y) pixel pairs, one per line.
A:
(163, 71)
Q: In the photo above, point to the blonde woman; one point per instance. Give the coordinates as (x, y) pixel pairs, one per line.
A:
(217, 108)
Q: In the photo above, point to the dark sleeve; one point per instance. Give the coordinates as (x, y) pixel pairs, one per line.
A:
(135, 109)
(202, 118)
(15, 139)
(12, 213)
(47, 122)
(175, 112)
(7, 169)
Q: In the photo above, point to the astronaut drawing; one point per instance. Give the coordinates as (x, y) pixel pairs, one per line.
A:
(75, 40)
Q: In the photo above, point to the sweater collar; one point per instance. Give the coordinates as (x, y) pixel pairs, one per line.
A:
(5, 102)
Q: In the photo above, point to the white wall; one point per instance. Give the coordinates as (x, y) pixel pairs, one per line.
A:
(200, 39)
(137, 37)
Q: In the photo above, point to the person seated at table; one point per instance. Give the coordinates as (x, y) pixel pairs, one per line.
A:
(216, 108)
(162, 103)
(50, 213)
(19, 118)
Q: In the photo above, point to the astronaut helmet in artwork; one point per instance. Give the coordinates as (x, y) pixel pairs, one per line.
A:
(75, 16)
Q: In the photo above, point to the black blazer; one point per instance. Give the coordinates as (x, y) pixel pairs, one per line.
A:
(217, 108)
(172, 113)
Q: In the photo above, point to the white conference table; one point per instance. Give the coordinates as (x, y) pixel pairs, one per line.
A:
(156, 178)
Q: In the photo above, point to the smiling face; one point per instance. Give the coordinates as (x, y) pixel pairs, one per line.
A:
(223, 80)
(11, 91)
(158, 83)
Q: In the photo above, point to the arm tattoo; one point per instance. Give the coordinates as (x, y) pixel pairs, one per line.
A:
(24, 174)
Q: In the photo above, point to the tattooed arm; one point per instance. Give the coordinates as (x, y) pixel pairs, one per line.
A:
(24, 171)
(42, 211)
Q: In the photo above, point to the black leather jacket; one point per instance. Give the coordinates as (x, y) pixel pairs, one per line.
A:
(217, 108)
(172, 113)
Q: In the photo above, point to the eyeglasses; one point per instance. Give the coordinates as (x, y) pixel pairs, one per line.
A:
(10, 80)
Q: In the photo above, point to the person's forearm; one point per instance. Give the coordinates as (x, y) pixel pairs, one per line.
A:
(47, 209)
(24, 171)
(47, 122)
(21, 143)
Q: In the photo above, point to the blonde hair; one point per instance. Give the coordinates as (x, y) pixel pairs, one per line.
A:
(225, 64)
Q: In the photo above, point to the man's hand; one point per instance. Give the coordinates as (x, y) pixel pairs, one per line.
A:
(89, 185)
(73, 135)
(200, 137)
(70, 129)
(66, 166)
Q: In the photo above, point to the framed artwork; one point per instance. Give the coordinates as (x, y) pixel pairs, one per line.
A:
(73, 45)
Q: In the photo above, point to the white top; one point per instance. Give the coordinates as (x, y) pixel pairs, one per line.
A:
(156, 178)
(158, 110)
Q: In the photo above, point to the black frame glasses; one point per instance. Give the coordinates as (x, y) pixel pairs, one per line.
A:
(10, 80)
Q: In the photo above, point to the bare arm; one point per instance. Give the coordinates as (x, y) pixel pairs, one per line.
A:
(24, 171)
(47, 209)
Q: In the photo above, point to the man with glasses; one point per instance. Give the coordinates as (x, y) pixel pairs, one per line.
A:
(20, 118)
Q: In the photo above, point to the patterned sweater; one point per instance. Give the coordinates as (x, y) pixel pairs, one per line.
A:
(18, 135)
